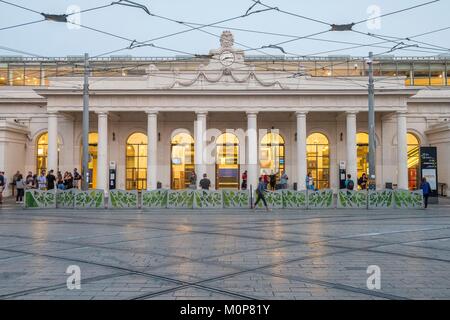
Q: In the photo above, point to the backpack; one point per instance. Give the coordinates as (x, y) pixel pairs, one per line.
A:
(350, 185)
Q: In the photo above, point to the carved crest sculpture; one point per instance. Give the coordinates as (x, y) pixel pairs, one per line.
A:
(226, 39)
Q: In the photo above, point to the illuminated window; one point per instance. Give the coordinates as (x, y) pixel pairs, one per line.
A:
(318, 159)
(362, 150)
(413, 161)
(182, 160)
(136, 162)
(92, 164)
(227, 162)
(42, 152)
(272, 154)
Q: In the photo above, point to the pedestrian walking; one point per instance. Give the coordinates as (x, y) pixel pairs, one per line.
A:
(426, 190)
(13, 183)
(260, 194)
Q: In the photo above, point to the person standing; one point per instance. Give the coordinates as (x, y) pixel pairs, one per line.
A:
(244, 181)
(76, 178)
(42, 181)
(260, 194)
(362, 182)
(2, 185)
(60, 181)
(205, 182)
(68, 181)
(272, 180)
(265, 180)
(20, 186)
(349, 183)
(193, 180)
(284, 180)
(309, 182)
(51, 180)
(13, 183)
(426, 190)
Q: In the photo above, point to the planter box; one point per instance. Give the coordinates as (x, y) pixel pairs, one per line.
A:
(40, 199)
(180, 199)
(321, 199)
(65, 199)
(208, 199)
(294, 199)
(274, 199)
(154, 199)
(235, 199)
(91, 199)
(120, 199)
(406, 199)
(381, 199)
(352, 199)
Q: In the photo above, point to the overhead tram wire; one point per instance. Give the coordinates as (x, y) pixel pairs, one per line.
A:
(22, 24)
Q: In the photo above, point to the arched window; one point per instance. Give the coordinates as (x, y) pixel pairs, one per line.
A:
(182, 160)
(413, 161)
(136, 162)
(42, 152)
(272, 154)
(92, 164)
(362, 150)
(227, 161)
(318, 159)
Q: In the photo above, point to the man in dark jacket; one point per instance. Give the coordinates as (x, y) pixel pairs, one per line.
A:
(205, 182)
(51, 180)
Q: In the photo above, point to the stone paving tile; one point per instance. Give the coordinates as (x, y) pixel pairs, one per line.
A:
(266, 286)
(119, 258)
(114, 288)
(398, 274)
(192, 294)
(32, 272)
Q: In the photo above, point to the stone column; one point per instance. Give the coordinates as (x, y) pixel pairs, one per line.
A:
(301, 150)
(102, 152)
(402, 152)
(351, 145)
(200, 144)
(152, 155)
(52, 155)
(252, 150)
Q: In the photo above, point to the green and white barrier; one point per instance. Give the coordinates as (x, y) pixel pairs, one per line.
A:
(274, 199)
(120, 199)
(234, 199)
(65, 199)
(294, 199)
(180, 199)
(91, 199)
(208, 199)
(381, 199)
(320, 199)
(352, 199)
(39, 199)
(406, 199)
(154, 199)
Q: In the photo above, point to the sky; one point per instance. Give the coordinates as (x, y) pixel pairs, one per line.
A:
(60, 39)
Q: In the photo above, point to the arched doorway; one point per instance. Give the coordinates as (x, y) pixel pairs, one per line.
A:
(42, 152)
(136, 162)
(272, 154)
(227, 161)
(362, 150)
(182, 160)
(318, 159)
(413, 161)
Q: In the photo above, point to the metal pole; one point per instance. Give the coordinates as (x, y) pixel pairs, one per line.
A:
(372, 183)
(84, 171)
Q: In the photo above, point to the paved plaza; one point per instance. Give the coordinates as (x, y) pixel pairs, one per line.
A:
(225, 254)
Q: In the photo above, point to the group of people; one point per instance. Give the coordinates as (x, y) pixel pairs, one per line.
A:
(42, 181)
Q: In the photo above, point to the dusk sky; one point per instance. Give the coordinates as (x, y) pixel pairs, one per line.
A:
(57, 39)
